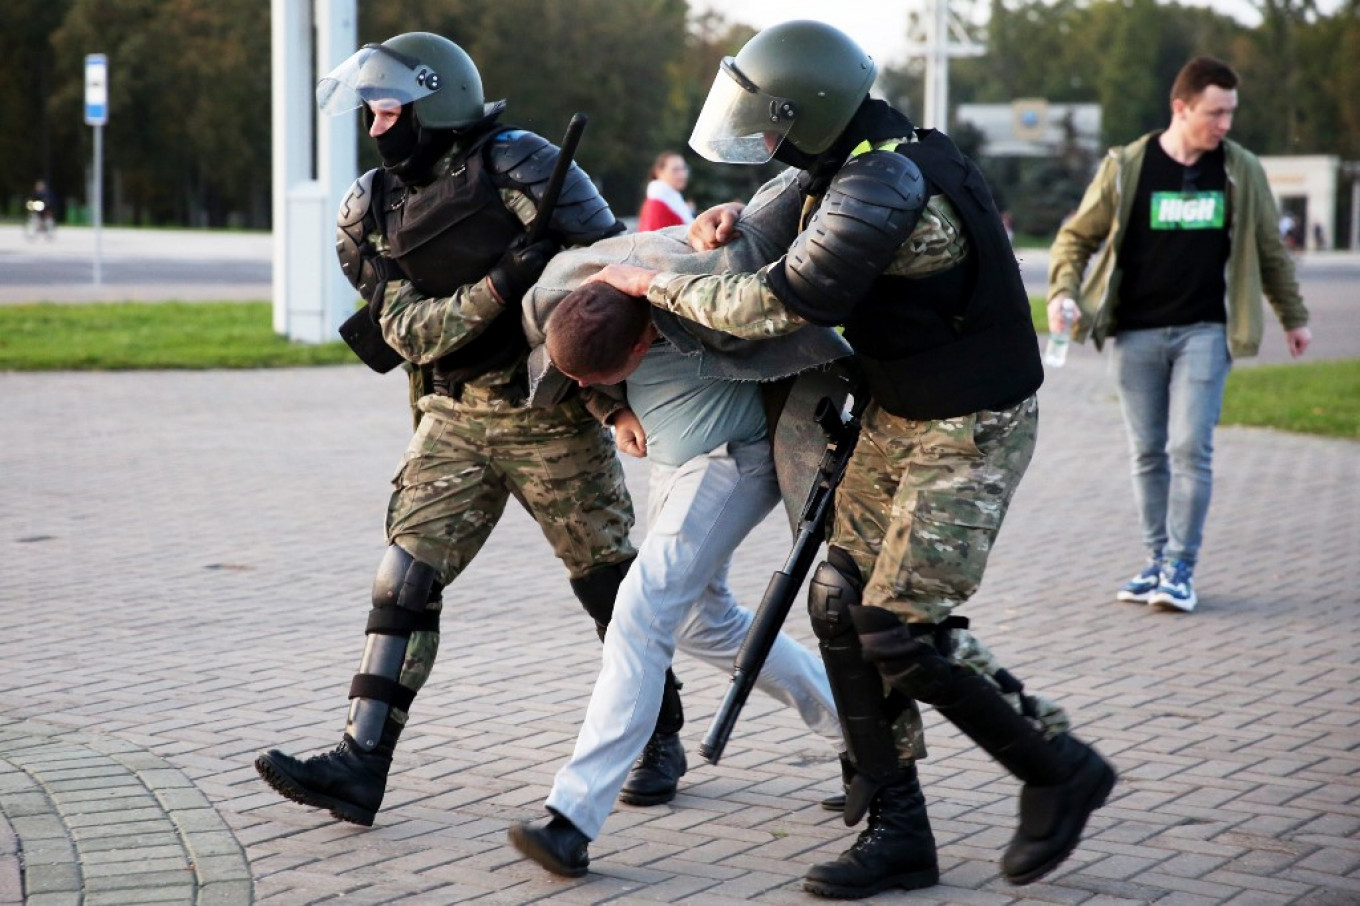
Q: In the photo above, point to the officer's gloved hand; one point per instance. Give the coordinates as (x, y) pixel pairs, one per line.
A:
(520, 267)
(385, 270)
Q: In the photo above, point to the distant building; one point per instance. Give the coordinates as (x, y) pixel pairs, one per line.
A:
(1032, 127)
(1305, 189)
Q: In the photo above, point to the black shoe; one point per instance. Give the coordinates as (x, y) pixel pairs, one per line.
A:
(835, 803)
(657, 772)
(556, 845)
(896, 849)
(347, 781)
(1053, 817)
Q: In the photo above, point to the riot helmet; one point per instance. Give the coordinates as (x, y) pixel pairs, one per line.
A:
(798, 82)
(429, 72)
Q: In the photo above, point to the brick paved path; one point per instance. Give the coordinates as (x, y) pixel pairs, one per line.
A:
(184, 570)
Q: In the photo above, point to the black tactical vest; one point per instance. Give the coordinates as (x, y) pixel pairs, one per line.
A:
(956, 342)
(447, 234)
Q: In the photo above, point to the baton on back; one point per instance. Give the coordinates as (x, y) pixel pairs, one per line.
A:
(543, 218)
(784, 584)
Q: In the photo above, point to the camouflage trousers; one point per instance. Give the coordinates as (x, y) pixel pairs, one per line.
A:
(919, 510)
(469, 457)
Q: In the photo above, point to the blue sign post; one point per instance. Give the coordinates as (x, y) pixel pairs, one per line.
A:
(96, 115)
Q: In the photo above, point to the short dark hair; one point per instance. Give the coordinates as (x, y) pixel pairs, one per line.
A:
(659, 164)
(1199, 74)
(594, 328)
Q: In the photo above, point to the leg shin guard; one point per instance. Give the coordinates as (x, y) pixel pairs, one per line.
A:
(973, 703)
(402, 594)
(866, 721)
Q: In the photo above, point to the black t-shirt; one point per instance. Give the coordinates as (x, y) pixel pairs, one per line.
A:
(1176, 247)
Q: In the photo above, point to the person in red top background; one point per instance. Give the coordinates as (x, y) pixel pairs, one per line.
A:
(665, 204)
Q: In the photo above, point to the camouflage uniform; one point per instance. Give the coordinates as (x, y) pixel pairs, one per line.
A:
(442, 242)
(457, 474)
(922, 501)
(901, 245)
(472, 452)
(477, 443)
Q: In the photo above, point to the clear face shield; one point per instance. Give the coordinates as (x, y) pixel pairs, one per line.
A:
(740, 124)
(375, 75)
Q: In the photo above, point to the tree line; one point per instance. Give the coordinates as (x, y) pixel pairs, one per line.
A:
(188, 137)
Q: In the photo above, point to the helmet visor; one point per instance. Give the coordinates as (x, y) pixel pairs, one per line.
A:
(740, 124)
(375, 75)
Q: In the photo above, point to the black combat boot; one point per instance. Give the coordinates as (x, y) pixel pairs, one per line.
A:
(657, 771)
(1053, 815)
(555, 844)
(347, 781)
(896, 849)
(1065, 780)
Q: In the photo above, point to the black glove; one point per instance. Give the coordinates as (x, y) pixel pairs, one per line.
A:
(520, 267)
(384, 271)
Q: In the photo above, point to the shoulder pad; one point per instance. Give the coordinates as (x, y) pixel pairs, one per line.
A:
(356, 220)
(868, 211)
(522, 160)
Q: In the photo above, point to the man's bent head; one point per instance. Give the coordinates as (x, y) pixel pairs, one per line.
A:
(598, 334)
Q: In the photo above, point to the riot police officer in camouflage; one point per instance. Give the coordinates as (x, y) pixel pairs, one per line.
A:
(901, 243)
(436, 242)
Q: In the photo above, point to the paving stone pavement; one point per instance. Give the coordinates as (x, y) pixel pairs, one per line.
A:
(185, 563)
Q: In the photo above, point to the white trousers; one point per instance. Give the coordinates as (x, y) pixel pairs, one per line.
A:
(676, 592)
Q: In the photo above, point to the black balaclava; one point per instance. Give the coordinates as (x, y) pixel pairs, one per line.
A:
(399, 142)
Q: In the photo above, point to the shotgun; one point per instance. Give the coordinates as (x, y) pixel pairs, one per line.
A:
(842, 433)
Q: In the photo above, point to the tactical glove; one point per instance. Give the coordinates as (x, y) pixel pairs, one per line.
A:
(520, 267)
(385, 270)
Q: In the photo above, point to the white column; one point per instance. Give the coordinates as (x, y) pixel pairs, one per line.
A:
(311, 296)
(336, 156)
(937, 68)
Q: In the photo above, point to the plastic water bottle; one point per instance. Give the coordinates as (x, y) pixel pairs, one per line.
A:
(1055, 353)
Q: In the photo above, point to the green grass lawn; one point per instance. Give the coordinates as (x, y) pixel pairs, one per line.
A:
(1313, 398)
(1310, 398)
(131, 335)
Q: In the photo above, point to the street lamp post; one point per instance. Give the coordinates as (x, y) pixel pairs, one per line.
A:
(938, 32)
(96, 115)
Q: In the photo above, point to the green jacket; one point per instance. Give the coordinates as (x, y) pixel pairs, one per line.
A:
(1258, 263)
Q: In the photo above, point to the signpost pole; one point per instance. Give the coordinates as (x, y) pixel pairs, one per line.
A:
(96, 115)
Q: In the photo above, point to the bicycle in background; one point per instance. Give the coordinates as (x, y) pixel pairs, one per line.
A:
(42, 213)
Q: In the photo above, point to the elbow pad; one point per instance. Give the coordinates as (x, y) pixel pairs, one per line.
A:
(869, 210)
(355, 222)
(525, 161)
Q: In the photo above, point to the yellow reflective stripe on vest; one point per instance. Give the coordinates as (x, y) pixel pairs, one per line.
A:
(890, 145)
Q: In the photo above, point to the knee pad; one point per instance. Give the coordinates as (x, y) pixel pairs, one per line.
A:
(403, 581)
(597, 589)
(834, 588)
(402, 592)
